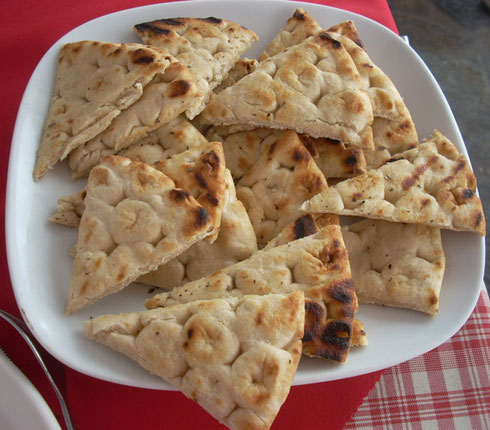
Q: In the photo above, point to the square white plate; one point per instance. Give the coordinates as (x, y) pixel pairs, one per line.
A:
(38, 257)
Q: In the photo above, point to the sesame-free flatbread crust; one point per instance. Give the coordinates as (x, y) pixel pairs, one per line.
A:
(135, 219)
(318, 265)
(235, 357)
(395, 264)
(432, 185)
(163, 99)
(277, 184)
(208, 47)
(313, 88)
(235, 242)
(95, 82)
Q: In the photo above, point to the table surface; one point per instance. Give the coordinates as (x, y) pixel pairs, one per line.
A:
(453, 377)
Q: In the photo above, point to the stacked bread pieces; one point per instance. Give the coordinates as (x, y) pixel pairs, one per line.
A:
(221, 179)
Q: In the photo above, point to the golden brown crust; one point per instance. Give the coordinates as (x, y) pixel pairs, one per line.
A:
(95, 82)
(274, 188)
(134, 220)
(209, 47)
(235, 357)
(291, 91)
(317, 265)
(432, 185)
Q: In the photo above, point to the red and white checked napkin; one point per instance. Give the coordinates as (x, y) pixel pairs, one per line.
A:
(446, 388)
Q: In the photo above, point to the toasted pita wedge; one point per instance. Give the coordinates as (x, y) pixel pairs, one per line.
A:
(134, 220)
(278, 183)
(235, 357)
(209, 47)
(199, 170)
(313, 88)
(243, 67)
(95, 82)
(202, 172)
(235, 242)
(317, 265)
(406, 272)
(349, 30)
(166, 97)
(172, 138)
(393, 127)
(298, 28)
(308, 225)
(432, 185)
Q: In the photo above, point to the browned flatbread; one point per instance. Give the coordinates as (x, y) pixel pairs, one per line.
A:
(313, 88)
(166, 97)
(297, 28)
(432, 185)
(396, 264)
(317, 265)
(235, 242)
(209, 47)
(235, 357)
(95, 82)
(277, 184)
(134, 220)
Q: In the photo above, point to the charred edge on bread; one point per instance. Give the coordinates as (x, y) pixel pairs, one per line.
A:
(202, 217)
(313, 314)
(299, 15)
(148, 27)
(301, 154)
(173, 22)
(309, 144)
(304, 226)
(325, 36)
(212, 160)
(179, 195)
(201, 180)
(179, 88)
(468, 194)
(141, 56)
(337, 333)
(352, 160)
(342, 291)
(211, 199)
(212, 20)
(478, 219)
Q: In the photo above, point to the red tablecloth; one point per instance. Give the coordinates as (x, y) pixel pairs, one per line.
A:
(28, 28)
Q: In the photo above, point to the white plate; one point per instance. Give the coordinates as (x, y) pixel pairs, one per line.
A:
(21, 405)
(38, 251)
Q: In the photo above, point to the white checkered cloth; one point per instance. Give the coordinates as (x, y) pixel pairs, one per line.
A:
(446, 388)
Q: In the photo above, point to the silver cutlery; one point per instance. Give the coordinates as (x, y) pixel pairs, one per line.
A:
(23, 330)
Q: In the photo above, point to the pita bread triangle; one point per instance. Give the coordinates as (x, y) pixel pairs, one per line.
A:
(274, 188)
(235, 357)
(393, 128)
(313, 88)
(135, 219)
(95, 82)
(432, 185)
(235, 242)
(405, 273)
(163, 99)
(318, 265)
(209, 47)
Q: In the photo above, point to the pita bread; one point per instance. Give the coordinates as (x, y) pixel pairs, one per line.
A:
(172, 138)
(242, 67)
(298, 28)
(393, 127)
(95, 82)
(308, 225)
(202, 172)
(69, 209)
(134, 220)
(166, 97)
(278, 183)
(317, 265)
(235, 357)
(432, 185)
(406, 272)
(235, 242)
(313, 88)
(209, 47)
